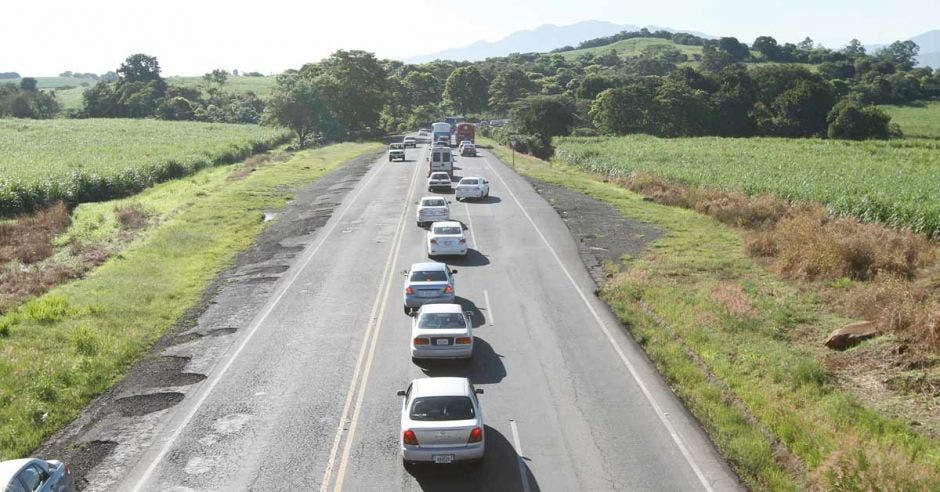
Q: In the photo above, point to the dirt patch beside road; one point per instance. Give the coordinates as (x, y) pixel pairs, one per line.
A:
(604, 235)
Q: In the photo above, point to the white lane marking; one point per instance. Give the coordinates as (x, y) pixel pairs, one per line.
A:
(489, 309)
(252, 329)
(519, 456)
(603, 326)
(473, 235)
(361, 378)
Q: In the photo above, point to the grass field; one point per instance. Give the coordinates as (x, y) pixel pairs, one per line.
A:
(731, 341)
(895, 182)
(60, 350)
(56, 82)
(917, 121)
(633, 47)
(94, 159)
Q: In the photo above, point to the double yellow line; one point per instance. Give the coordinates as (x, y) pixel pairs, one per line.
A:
(360, 378)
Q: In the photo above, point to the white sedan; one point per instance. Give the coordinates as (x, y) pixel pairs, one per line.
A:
(472, 187)
(441, 422)
(441, 331)
(439, 180)
(432, 209)
(446, 238)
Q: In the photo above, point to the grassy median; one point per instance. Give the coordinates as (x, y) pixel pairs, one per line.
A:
(723, 332)
(60, 350)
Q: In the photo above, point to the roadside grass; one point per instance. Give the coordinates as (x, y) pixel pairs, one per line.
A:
(60, 350)
(725, 333)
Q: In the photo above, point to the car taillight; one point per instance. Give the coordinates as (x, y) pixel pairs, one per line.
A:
(463, 241)
(433, 241)
(448, 290)
(421, 341)
(409, 291)
(463, 341)
(476, 435)
(68, 469)
(409, 437)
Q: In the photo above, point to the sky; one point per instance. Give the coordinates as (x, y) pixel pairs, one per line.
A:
(191, 37)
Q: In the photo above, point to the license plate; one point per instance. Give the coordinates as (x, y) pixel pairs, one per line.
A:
(427, 293)
(443, 458)
(442, 341)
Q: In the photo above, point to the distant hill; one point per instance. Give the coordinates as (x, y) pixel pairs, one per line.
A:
(929, 43)
(541, 39)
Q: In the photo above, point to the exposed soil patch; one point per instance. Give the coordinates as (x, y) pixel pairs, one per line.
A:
(137, 405)
(604, 235)
(228, 304)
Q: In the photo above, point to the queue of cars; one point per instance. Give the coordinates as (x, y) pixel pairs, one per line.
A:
(441, 417)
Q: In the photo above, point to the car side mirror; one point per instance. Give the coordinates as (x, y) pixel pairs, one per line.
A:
(453, 272)
(478, 391)
(401, 392)
(469, 314)
(404, 273)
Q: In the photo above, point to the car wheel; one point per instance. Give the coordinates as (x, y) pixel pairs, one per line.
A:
(407, 311)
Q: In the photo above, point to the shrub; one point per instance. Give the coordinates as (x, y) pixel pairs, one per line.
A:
(851, 121)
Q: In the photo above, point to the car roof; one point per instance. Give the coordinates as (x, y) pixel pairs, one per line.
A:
(440, 173)
(428, 266)
(440, 387)
(470, 177)
(10, 467)
(442, 308)
(447, 223)
(432, 198)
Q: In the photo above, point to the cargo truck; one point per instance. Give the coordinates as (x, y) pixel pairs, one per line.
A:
(440, 129)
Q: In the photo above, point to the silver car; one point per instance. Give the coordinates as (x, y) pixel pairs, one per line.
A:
(431, 209)
(428, 283)
(441, 331)
(31, 474)
(441, 422)
(439, 180)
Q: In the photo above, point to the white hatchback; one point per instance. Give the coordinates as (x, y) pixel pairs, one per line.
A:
(441, 331)
(472, 187)
(446, 238)
(441, 422)
(432, 209)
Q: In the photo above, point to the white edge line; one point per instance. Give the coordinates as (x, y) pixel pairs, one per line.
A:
(252, 329)
(489, 309)
(519, 456)
(473, 235)
(603, 326)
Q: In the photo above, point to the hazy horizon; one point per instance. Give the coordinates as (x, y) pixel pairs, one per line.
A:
(192, 38)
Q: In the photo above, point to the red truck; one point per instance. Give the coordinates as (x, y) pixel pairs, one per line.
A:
(465, 131)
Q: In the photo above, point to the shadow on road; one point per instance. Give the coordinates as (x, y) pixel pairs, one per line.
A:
(486, 366)
(477, 317)
(472, 259)
(489, 199)
(502, 469)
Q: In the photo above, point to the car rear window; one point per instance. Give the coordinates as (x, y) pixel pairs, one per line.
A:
(434, 203)
(442, 320)
(437, 408)
(437, 157)
(447, 230)
(432, 276)
(469, 182)
(440, 176)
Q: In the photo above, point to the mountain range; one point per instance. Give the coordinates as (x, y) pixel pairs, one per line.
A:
(549, 36)
(541, 39)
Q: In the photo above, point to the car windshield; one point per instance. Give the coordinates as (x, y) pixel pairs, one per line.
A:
(395, 146)
(447, 230)
(442, 320)
(468, 182)
(431, 276)
(434, 203)
(437, 408)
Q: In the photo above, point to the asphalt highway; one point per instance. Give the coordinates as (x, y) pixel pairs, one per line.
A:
(305, 397)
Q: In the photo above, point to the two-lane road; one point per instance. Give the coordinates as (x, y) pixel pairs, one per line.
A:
(305, 399)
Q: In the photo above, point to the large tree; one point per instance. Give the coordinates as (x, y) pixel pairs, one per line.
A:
(353, 86)
(298, 104)
(509, 85)
(466, 91)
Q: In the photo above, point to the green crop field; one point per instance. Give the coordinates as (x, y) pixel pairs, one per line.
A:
(917, 121)
(95, 159)
(56, 82)
(894, 182)
(261, 86)
(633, 47)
